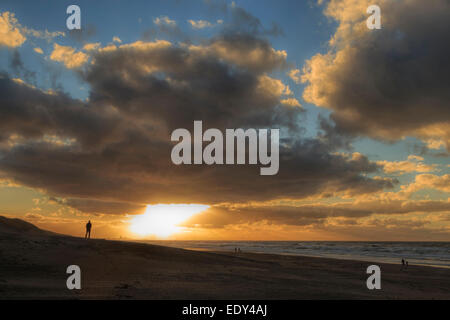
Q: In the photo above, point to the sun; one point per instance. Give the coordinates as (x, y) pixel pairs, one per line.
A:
(162, 220)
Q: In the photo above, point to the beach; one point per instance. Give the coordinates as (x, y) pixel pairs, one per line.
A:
(33, 265)
(425, 253)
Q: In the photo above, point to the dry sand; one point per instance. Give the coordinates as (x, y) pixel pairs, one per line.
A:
(33, 265)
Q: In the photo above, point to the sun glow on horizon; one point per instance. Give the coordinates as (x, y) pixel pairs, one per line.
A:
(162, 220)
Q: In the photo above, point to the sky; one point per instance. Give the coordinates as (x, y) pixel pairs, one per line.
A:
(86, 117)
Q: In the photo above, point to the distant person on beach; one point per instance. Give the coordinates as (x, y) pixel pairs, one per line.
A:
(88, 230)
(403, 263)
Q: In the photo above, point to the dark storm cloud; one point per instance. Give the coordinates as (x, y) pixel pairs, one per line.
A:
(112, 152)
(192, 84)
(32, 113)
(391, 82)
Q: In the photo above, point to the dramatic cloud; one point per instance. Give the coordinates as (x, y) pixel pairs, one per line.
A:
(246, 51)
(387, 83)
(112, 153)
(310, 214)
(109, 155)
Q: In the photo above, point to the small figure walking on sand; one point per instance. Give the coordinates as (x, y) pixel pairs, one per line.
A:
(403, 263)
(88, 230)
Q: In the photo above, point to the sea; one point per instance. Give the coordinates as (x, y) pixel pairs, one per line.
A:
(435, 254)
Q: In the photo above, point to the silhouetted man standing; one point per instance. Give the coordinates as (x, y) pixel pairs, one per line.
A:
(88, 230)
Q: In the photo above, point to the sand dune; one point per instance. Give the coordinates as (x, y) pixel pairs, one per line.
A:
(33, 265)
(8, 225)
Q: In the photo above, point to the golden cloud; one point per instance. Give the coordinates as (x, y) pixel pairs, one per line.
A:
(10, 33)
(68, 56)
(402, 167)
(381, 83)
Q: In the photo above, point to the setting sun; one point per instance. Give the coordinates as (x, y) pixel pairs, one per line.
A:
(162, 220)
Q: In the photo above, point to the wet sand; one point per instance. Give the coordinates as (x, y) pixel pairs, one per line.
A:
(33, 266)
